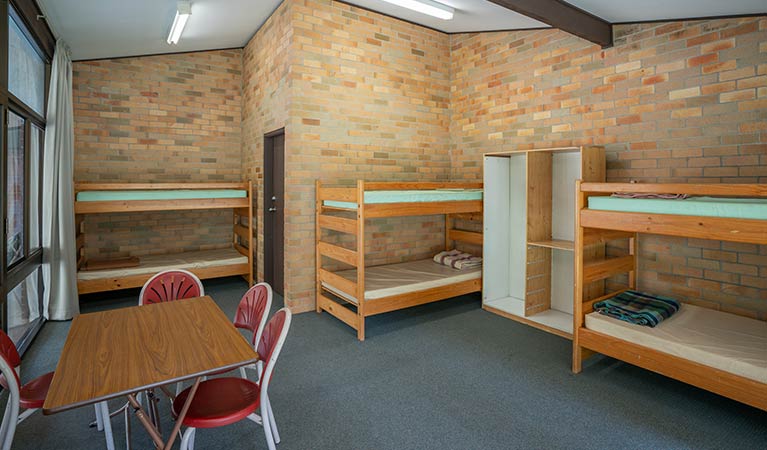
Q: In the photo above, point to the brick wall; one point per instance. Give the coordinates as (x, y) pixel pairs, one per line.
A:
(363, 95)
(169, 118)
(366, 97)
(266, 66)
(672, 102)
(370, 99)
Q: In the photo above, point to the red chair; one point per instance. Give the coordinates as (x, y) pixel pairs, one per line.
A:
(29, 396)
(223, 401)
(170, 285)
(251, 315)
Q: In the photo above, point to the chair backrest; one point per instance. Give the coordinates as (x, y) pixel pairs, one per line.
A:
(170, 285)
(270, 344)
(11, 417)
(253, 309)
(11, 357)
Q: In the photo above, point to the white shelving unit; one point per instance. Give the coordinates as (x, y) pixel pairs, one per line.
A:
(529, 221)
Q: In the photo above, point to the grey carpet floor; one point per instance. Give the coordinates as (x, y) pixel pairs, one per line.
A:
(442, 376)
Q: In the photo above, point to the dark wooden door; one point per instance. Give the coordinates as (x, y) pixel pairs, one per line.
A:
(274, 209)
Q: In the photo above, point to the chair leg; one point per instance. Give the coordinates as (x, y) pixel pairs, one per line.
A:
(126, 418)
(99, 421)
(187, 440)
(104, 410)
(272, 422)
(267, 424)
(23, 416)
(7, 426)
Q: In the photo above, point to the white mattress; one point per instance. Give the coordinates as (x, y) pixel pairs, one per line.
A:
(717, 339)
(157, 263)
(401, 278)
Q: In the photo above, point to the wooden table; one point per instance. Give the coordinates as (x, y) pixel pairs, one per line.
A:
(125, 351)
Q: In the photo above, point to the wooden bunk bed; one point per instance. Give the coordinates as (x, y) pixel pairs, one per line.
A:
(343, 294)
(713, 350)
(102, 198)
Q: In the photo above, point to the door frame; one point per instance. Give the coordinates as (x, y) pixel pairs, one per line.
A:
(269, 247)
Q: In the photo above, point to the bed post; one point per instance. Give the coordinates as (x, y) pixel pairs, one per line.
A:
(578, 279)
(317, 236)
(361, 260)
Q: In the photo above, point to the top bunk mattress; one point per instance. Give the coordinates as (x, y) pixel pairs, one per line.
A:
(736, 208)
(401, 278)
(160, 194)
(411, 196)
(155, 263)
(716, 339)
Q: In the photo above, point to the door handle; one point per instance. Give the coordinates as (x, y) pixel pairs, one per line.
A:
(272, 209)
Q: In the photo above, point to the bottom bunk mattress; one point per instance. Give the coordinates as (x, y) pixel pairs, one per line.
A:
(716, 339)
(402, 278)
(157, 263)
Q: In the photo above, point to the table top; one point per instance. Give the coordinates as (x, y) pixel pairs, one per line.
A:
(113, 353)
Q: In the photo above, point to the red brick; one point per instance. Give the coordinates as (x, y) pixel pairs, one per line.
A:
(627, 120)
(703, 59)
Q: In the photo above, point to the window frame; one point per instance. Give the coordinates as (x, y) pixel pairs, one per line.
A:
(27, 15)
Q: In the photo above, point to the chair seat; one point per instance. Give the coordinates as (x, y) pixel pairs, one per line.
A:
(32, 394)
(219, 402)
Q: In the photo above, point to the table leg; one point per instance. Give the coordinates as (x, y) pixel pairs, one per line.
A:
(150, 428)
(154, 413)
(182, 413)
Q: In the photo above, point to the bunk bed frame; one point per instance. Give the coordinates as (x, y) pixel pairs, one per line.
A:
(462, 209)
(242, 230)
(596, 227)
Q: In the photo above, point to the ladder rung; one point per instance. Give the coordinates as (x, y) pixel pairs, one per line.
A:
(599, 270)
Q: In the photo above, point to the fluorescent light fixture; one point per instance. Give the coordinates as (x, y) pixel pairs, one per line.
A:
(429, 7)
(183, 11)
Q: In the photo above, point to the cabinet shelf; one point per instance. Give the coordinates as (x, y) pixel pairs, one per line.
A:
(558, 244)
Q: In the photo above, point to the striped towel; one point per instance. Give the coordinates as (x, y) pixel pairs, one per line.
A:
(638, 308)
(457, 259)
(649, 195)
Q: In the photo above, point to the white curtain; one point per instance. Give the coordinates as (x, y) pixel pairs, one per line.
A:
(59, 253)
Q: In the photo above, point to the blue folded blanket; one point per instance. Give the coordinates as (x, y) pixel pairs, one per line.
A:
(638, 308)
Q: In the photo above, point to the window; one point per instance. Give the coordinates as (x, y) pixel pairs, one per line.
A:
(26, 68)
(14, 191)
(22, 132)
(24, 302)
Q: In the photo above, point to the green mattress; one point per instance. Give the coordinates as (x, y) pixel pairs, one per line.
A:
(412, 196)
(179, 194)
(736, 208)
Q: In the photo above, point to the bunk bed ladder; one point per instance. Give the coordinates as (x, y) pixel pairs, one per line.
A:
(80, 240)
(242, 233)
(593, 271)
(356, 258)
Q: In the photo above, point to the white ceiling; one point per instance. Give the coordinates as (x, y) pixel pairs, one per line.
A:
(113, 28)
(646, 10)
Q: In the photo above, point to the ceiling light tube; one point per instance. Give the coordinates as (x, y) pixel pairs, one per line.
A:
(183, 11)
(429, 7)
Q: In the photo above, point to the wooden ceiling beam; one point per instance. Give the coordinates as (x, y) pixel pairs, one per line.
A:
(564, 16)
